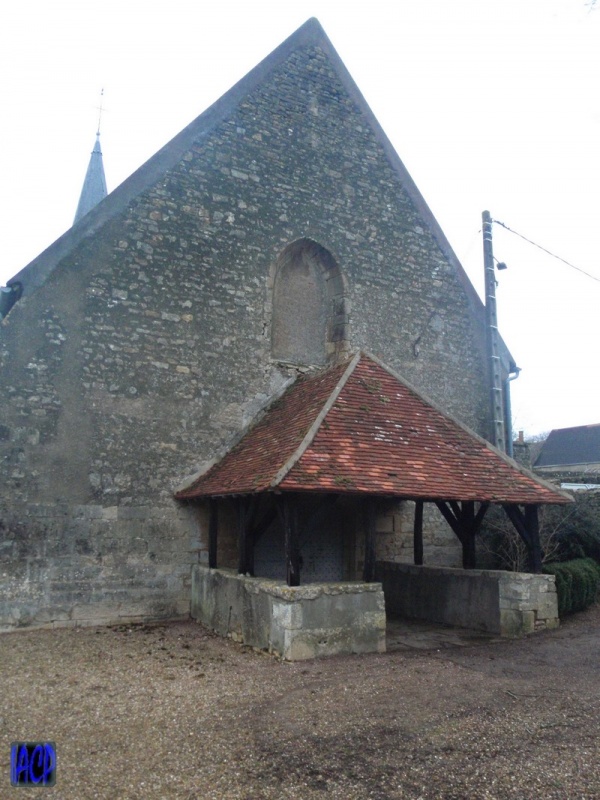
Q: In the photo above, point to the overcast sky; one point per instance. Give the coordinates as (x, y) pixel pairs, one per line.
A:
(491, 104)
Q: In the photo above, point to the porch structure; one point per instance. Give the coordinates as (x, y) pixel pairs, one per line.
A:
(335, 444)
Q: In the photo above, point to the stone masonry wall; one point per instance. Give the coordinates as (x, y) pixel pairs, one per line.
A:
(148, 347)
(94, 565)
(395, 536)
(504, 603)
(296, 623)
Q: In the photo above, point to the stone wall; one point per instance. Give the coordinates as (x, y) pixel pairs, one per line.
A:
(505, 603)
(395, 536)
(95, 565)
(148, 346)
(295, 623)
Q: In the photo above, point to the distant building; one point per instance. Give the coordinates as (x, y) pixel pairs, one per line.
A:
(572, 455)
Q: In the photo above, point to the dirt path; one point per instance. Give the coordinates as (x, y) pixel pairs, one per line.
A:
(171, 711)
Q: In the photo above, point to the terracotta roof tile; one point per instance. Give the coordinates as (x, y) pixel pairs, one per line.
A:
(359, 428)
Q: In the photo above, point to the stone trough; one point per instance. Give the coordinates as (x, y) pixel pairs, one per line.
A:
(295, 623)
(324, 619)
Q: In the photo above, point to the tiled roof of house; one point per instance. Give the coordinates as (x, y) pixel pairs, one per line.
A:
(571, 447)
(358, 428)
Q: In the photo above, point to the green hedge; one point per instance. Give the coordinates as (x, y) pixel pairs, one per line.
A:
(576, 583)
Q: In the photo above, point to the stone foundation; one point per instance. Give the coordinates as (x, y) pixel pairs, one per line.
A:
(77, 565)
(296, 623)
(504, 603)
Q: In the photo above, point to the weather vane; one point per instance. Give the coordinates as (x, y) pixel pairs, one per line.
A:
(100, 109)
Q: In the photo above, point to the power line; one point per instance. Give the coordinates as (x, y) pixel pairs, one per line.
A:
(539, 246)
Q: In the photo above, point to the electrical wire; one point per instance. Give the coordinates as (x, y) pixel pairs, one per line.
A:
(539, 246)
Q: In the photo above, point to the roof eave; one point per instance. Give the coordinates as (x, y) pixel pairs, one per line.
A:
(515, 464)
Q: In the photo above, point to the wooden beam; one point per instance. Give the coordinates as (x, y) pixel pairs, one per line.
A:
(418, 533)
(479, 516)
(451, 519)
(471, 525)
(263, 524)
(467, 520)
(213, 532)
(532, 526)
(516, 516)
(245, 559)
(292, 551)
(465, 523)
(370, 533)
(528, 528)
(456, 509)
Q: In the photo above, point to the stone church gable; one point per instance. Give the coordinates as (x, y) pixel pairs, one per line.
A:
(144, 341)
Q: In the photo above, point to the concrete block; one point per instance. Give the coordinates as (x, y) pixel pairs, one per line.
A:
(548, 609)
(515, 590)
(288, 615)
(510, 622)
(528, 621)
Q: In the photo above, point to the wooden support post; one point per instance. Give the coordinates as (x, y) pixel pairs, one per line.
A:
(467, 519)
(465, 523)
(418, 533)
(532, 526)
(249, 553)
(528, 528)
(213, 532)
(519, 521)
(292, 552)
(244, 538)
(370, 530)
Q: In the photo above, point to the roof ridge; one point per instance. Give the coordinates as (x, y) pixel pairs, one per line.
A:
(314, 428)
(205, 467)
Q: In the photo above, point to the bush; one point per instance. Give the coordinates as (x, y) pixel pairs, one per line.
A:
(576, 583)
(566, 533)
(577, 527)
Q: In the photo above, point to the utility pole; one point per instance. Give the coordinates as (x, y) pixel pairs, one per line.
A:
(492, 336)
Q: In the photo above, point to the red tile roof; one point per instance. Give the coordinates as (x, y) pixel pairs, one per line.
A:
(358, 428)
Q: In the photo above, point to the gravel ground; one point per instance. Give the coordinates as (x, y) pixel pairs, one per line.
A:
(172, 711)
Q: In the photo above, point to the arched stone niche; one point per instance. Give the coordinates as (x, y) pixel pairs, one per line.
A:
(310, 319)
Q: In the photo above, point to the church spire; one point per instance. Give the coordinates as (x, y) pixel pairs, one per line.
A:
(94, 184)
